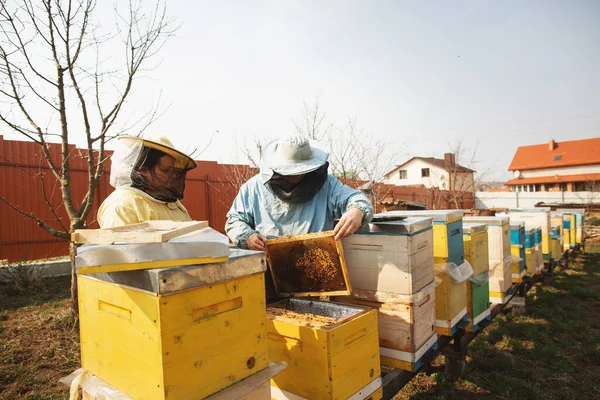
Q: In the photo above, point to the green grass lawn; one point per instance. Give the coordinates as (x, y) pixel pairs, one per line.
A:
(551, 352)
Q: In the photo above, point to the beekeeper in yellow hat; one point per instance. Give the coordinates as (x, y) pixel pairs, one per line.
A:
(148, 174)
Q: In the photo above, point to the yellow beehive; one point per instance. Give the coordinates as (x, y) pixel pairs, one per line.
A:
(476, 247)
(175, 333)
(453, 308)
(500, 256)
(332, 350)
(556, 219)
(532, 257)
(537, 217)
(406, 327)
(517, 274)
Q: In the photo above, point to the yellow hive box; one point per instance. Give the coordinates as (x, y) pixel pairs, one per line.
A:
(475, 238)
(532, 260)
(180, 333)
(332, 350)
(499, 252)
(517, 274)
(450, 305)
(555, 248)
(406, 326)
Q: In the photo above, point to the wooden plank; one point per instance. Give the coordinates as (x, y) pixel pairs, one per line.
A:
(145, 232)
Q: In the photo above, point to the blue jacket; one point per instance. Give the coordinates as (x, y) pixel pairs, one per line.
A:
(257, 210)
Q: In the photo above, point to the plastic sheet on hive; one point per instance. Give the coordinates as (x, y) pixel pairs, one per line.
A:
(458, 273)
(92, 385)
(480, 279)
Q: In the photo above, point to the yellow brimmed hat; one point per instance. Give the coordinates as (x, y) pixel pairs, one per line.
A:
(160, 142)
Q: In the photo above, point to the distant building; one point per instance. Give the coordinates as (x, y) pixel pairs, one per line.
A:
(430, 172)
(572, 166)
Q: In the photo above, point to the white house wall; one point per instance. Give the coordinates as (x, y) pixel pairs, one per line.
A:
(530, 199)
(584, 169)
(413, 168)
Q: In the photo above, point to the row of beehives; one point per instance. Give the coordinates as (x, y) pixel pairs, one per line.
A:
(192, 332)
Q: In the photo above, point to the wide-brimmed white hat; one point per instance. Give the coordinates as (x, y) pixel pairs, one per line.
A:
(160, 142)
(294, 155)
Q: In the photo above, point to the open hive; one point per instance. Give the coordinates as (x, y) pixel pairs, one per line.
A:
(332, 350)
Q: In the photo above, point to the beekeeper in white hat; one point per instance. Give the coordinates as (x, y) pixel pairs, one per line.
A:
(148, 174)
(293, 195)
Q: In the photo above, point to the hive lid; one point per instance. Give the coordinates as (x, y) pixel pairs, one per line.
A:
(537, 209)
(308, 265)
(514, 224)
(407, 226)
(198, 247)
(474, 227)
(445, 216)
(497, 220)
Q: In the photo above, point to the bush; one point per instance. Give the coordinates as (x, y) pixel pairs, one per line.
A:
(592, 220)
(22, 276)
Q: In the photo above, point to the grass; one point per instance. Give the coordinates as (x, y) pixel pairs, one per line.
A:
(551, 352)
(38, 342)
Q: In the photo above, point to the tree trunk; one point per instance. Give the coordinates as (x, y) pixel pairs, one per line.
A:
(74, 292)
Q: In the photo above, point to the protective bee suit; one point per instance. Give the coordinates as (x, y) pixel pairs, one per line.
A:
(148, 185)
(271, 206)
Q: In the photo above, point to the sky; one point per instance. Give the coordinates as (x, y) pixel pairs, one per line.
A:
(419, 74)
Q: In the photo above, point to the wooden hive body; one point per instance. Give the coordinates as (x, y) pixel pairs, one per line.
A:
(500, 282)
(392, 258)
(475, 238)
(448, 247)
(517, 248)
(579, 220)
(404, 328)
(476, 252)
(173, 337)
(555, 241)
(327, 358)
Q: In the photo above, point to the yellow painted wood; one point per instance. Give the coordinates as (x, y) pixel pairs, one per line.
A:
(331, 363)
(476, 251)
(178, 346)
(376, 395)
(515, 250)
(566, 238)
(573, 231)
(556, 249)
(149, 265)
(440, 243)
(450, 300)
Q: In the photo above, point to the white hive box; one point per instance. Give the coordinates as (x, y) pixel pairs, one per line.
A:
(394, 257)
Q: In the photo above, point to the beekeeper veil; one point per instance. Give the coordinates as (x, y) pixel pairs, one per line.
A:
(136, 154)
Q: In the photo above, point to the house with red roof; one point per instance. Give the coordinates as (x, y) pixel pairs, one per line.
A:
(430, 172)
(572, 166)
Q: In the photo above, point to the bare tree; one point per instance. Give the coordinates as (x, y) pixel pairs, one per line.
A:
(62, 78)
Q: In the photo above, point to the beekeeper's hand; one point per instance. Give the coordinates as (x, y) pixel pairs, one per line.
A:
(349, 223)
(257, 242)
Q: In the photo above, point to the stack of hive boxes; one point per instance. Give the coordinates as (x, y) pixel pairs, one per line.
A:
(556, 219)
(478, 287)
(448, 255)
(167, 331)
(391, 270)
(536, 218)
(531, 252)
(556, 242)
(500, 256)
(517, 249)
(569, 230)
(332, 349)
(579, 219)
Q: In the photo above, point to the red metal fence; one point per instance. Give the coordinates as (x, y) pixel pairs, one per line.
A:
(210, 190)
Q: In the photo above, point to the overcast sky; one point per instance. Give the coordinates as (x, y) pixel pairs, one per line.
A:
(420, 74)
